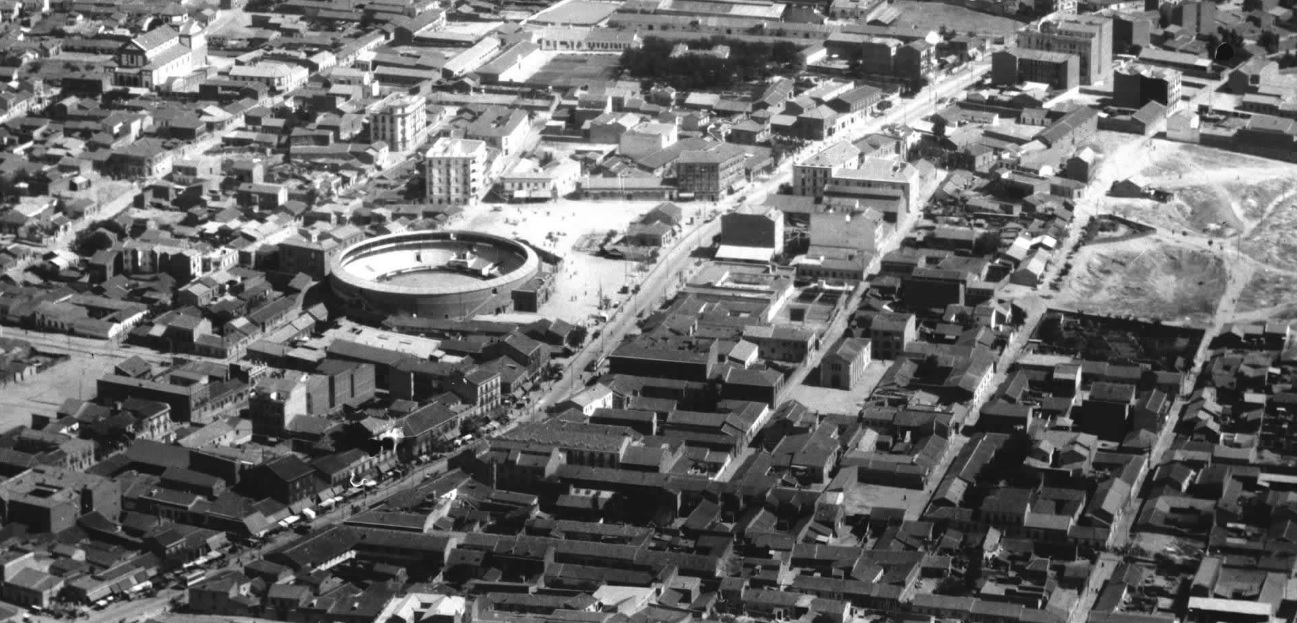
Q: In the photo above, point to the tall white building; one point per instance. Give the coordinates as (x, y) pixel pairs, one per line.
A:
(455, 171)
(402, 122)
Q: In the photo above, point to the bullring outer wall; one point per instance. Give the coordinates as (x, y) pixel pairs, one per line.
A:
(363, 297)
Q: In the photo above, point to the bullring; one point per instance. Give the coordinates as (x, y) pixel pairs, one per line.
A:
(431, 274)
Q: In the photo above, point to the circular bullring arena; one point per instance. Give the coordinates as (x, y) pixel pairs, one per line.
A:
(431, 274)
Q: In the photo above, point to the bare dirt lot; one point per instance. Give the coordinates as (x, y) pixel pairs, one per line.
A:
(43, 393)
(958, 18)
(1272, 292)
(1216, 193)
(1273, 240)
(1148, 278)
(1225, 245)
(584, 275)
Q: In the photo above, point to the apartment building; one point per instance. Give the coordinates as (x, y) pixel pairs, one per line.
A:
(401, 122)
(455, 171)
(711, 173)
(1058, 70)
(1088, 37)
(812, 175)
(878, 175)
(1136, 84)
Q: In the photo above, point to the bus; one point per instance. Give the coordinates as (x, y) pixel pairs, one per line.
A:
(194, 577)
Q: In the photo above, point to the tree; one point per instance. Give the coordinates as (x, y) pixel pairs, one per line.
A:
(91, 241)
(1232, 37)
(577, 337)
(856, 64)
(987, 243)
(1213, 42)
(939, 127)
(1268, 40)
(950, 585)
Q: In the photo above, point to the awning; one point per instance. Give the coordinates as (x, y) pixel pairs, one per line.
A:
(532, 194)
(749, 254)
(99, 592)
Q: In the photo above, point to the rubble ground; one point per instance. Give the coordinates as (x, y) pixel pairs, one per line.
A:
(1148, 278)
(1229, 226)
(1270, 291)
(1216, 193)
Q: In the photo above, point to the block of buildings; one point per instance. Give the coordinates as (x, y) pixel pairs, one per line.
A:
(48, 499)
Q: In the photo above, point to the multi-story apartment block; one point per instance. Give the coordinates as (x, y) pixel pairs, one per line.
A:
(1086, 36)
(894, 60)
(1058, 70)
(1197, 17)
(1136, 84)
(401, 122)
(710, 173)
(879, 175)
(455, 171)
(812, 175)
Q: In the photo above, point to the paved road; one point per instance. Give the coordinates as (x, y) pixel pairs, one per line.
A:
(654, 287)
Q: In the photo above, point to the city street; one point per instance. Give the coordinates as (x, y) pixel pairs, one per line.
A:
(658, 285)
(653, 289)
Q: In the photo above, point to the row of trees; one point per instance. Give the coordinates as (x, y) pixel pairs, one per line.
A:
(748, 61)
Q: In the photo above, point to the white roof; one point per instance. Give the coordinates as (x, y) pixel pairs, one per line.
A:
(1231, 605)
(751, 254)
